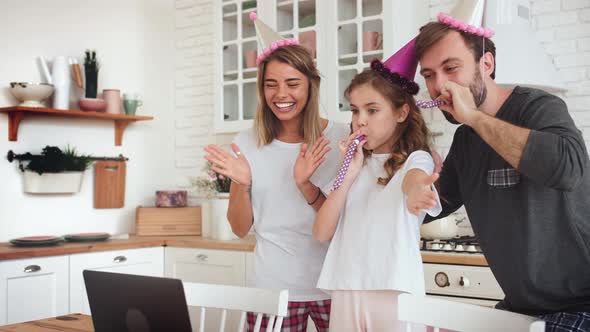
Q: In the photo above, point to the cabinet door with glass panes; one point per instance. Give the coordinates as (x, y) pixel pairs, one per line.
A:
(237, 48)
(360, 31)
(235, 62)
(343, 35)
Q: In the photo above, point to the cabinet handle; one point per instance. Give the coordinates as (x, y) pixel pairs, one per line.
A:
(119, 259)
(32, 268)
(202, 257)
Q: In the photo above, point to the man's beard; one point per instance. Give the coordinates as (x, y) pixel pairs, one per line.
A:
(478, 90)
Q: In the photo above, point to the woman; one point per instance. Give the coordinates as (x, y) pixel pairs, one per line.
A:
(276, 181)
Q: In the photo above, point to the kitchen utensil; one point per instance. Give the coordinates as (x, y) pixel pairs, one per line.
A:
(76, 70)
(61, 81)
(92, 104)
(347, 159)
(33, 241)
(44, 69)
(441, 229)
(31, 94)
(109, 184)
(131, 105)
(113, 99)
(170, 221)
(86, 237)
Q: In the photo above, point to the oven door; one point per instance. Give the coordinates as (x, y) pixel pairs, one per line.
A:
(481, 302)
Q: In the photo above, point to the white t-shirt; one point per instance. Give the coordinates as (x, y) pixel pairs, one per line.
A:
(286, 255)
(376, 243)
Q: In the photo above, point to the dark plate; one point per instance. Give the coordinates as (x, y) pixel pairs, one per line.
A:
(18, 243)
(86, 237)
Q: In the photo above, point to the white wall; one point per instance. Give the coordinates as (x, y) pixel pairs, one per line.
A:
(135, 43)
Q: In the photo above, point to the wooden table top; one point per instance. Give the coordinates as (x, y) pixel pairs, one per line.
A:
(67, 323)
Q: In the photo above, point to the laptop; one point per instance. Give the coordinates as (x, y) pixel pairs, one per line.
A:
(132, 303)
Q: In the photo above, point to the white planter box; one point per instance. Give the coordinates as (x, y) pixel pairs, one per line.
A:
(52, 183)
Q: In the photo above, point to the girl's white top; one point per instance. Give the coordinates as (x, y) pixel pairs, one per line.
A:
(286, 255)
(376, 243)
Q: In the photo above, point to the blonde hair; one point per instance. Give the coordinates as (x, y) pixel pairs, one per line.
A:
(266, 124)
(410, 135)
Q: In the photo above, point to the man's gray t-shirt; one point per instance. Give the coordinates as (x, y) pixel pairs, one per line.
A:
(533, 223)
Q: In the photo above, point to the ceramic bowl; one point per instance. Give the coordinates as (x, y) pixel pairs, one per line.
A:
(92, 104)
(31, 94)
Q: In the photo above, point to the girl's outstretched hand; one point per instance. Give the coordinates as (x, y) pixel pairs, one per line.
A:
(234, 167)
(309, 160)
(421, 196)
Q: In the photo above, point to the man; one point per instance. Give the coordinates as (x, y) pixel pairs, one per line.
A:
(520, 166)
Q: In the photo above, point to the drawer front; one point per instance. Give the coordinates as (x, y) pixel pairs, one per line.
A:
(205, 265)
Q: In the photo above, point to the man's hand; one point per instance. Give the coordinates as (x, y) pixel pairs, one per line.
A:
(459, 102)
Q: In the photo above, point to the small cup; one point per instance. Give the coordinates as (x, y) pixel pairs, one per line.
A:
(372, 40)
(131, 105)
(113, 99)
(250, 57)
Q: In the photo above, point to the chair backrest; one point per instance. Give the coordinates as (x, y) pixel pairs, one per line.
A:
(245, 299)
(462, 317)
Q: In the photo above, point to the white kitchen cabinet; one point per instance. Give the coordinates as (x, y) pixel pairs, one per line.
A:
(35, 288)
(225, 267)
(143, 261)
(337, 27)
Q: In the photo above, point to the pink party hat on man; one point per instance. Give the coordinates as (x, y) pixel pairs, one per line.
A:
(400, 68)
(269, 39)
(467, 16)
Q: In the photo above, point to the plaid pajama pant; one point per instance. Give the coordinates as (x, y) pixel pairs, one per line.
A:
(567, 322)
(297, 314)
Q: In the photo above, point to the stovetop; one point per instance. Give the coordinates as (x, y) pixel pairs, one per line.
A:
(459, 245)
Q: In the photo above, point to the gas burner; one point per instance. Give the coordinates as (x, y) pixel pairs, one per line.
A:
(460, 245)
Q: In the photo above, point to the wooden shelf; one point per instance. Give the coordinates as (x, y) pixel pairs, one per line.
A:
(17, 113)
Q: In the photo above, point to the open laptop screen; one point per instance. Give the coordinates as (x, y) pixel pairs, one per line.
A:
(131, 303)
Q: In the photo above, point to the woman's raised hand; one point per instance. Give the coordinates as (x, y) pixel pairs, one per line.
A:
(234, 167)
(309, 160)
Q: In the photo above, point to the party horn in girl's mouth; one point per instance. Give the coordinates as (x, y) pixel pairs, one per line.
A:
(429, 103)
(347, 159)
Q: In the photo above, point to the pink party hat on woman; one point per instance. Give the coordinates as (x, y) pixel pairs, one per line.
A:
(400, 68)
(467, 16)
(269, 39)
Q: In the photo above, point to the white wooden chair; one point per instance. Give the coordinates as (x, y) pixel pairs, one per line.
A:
(245, 299)
(462, 317)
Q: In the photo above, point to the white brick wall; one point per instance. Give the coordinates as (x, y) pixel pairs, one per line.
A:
(562, 26)
(194, 74)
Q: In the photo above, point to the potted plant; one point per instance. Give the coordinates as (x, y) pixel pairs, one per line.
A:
(215, 187)
(91, 67)
(53, 171)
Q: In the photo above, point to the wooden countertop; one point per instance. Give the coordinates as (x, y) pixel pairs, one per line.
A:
(8, 251)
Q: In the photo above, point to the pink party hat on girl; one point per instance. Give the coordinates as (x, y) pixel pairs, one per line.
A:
(467, 16)
(400, 68)
(269, 39)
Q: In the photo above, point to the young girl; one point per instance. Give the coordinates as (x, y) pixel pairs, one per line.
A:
(373, 219)
(274, 190)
